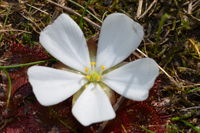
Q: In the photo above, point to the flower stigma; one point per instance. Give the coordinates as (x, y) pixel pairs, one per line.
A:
(93, 74)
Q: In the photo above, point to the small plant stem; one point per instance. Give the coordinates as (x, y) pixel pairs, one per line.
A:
(170, 77)
(77, 4)
(160, 28)
(147, 130)
(195, 46)
(191, 126)
(71, 11)
(83, 14)
(5, 21)
(148, 9)
(9, 88)
(67, 126)
(3, 68)
(26, 64)
(139, 10)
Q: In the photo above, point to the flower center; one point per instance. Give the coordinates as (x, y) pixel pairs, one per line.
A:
(94, 75)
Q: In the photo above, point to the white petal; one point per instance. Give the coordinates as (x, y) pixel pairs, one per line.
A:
(134, 79)
(52, 86)
(64, 40)
(93, 106)
(119, 37)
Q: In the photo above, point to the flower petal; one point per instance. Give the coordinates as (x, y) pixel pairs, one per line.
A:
(93, 106)
(64, 40)
(119, 37)
(134, 79)
(52, 86)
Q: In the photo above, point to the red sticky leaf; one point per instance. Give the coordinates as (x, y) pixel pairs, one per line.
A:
(34, 118)
(131, 116)
(25, 54)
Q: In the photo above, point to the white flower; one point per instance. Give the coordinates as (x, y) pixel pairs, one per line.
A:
(64, 40)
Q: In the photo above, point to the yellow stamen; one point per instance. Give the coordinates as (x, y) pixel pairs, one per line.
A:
(86, 69)
(98, 78)
(87, 77)
(103, 67)
(93, 63)
(93, 75)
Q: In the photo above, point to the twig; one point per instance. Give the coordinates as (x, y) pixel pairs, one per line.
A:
(192, 5)
(196, 4)
(124, 129)
(4, 123)
(190, 8)
(71, 11)
(190, 15)
(37, 9)
(191, 86)
(29, 19)
(15, 30)
(67, 125)
(195, 46)
(139, 10)
(186, 109)
(58, 10)
(149, 8)
(170, 77)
